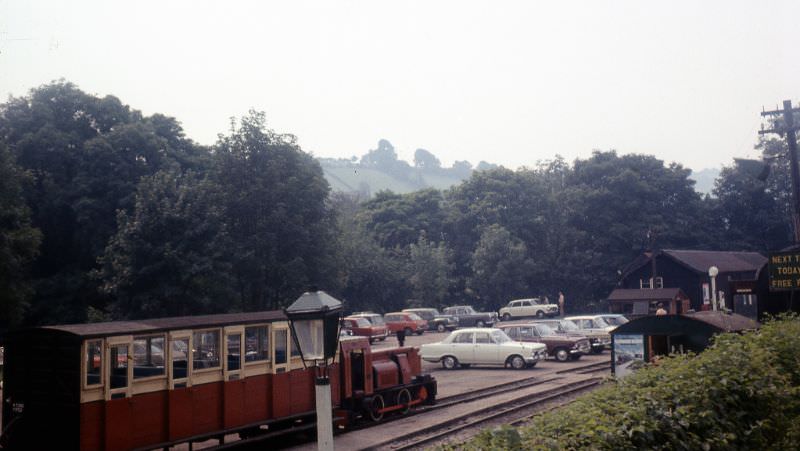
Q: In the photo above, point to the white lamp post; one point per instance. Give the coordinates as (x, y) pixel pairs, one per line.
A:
(314, 318)
(712, 272)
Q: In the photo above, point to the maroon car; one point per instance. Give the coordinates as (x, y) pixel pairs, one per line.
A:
(363, 328)
(562, 347)
(410, 323)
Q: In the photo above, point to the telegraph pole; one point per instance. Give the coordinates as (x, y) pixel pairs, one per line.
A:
(788, 129)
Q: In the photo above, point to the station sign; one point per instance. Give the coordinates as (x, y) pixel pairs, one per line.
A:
(784, 271)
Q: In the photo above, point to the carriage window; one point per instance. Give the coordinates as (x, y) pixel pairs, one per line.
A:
(234, 352)
(256, 343)
(280, 346)
(94, 361)
(295, 348)
(180, 358)
(206, 350)
(119, 366)
(148, 356)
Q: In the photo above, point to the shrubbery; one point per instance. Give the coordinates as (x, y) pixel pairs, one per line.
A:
(743, 392)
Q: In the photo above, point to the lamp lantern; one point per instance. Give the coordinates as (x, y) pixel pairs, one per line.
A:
(314, 319)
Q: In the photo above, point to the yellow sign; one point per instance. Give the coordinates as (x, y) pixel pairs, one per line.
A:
(784, 271)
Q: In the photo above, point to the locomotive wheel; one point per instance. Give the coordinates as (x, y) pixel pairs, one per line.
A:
(375, 406)
(440, 328)
(404, 399)
(516, 362)
(449, 362)
(562, 355)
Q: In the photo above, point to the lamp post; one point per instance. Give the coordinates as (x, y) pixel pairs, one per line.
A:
(712, 272)
(314, 319)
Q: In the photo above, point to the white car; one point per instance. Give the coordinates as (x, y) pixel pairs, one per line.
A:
(594, 327)
(481, 346)
(521, 308)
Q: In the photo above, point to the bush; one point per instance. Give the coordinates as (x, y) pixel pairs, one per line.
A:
(740, 393)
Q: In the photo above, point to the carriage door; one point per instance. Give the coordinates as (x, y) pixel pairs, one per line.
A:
(179, 361)
(234, 339)
(119, 359)
(119, 374)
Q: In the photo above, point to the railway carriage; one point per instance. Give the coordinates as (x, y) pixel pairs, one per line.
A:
(154, 383)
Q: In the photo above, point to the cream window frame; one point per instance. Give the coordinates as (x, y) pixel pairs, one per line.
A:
(112, 342)
(228, 374)
(85, 369)
(175, 336)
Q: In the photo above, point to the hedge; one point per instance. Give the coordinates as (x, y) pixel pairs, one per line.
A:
(743, 392)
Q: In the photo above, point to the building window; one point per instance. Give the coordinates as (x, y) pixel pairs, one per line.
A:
(658, 282)
(645, 283)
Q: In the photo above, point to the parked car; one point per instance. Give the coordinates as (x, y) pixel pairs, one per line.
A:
(521, 308)
(561, 346)
(594, 327)
(362, 327)
(436, 321)
(564, 327)
(410, 323)
(468, 317)
(481, 346)
(614, 319)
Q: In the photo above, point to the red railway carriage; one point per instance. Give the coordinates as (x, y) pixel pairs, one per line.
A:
(153, 383)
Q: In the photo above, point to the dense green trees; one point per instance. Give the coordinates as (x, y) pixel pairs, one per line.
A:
(110, 212)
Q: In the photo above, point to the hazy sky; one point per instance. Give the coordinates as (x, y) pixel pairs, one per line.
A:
(506, 82)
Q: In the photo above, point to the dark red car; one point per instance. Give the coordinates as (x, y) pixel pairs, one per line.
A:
(562, 347)
(411, 323)
(362, 327)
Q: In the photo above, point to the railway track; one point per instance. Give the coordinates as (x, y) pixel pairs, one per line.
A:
(513, 412)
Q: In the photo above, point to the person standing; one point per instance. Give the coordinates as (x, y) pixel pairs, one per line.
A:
(561, 303)
(401, 337)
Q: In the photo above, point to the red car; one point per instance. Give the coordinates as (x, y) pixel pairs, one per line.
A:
(411, 323)
(362, 327)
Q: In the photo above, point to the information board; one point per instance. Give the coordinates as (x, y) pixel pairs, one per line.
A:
(784, 271)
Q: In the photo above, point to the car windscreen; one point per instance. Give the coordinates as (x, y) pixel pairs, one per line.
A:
(569, 326)
(470, 311)
(376, 320)
(362, 322)
(499, 336)
(600, 323)
(544, 329)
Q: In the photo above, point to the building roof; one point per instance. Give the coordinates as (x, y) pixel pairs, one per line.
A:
(646, 294)
(700, 261)
(687, 323)
(725, 261)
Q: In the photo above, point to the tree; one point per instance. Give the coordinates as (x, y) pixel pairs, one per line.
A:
(430, 270)
(171, 256)
(499, 268)
(396, 220)
(274, 198)
(426, 160)
(19, 242)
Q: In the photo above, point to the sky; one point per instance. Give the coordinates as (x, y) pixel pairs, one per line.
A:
(508, 82)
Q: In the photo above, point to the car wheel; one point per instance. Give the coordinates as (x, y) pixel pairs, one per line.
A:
(408, 331)
(516, 362)
(479, 323)
(440, 327)
(449, 362)
(540, 314)
(562, 355)
(506, 317)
